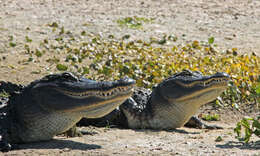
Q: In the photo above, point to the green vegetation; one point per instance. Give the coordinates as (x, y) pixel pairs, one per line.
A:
(214, 117)
(219, 139)
(61, 67)
(28, 39)
(149, 61)
(250, 126)
(12, 44)
(133, 22)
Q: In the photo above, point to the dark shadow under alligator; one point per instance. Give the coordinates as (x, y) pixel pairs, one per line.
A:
(59, 144)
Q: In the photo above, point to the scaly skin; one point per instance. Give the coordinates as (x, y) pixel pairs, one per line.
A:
(53, 104)
(171, 104)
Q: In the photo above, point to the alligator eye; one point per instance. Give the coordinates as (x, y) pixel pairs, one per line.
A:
(198, 73)
(69, 76)
(185, 72)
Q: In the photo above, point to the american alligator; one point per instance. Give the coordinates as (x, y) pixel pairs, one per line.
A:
(53, 104)
(171, 104)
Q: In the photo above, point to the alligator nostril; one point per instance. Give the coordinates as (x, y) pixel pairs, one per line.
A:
(126, 80)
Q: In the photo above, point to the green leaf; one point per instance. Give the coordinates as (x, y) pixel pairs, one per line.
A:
(218, 139)
(211, 40)
(12, 44)
(257, 90)
(38, 53)
(61, 67)
(214, 117)
(238, 129)
(28, 39)
(256, 124)
(54, 25)
(85, 70)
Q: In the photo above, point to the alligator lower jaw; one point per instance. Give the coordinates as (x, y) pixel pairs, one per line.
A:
(100, 104)
(197, 94)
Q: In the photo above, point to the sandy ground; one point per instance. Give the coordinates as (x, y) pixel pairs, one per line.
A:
(233, 24)
(184, 141)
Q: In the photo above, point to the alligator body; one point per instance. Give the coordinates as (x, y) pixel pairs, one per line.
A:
(171, 104)
(53, 104)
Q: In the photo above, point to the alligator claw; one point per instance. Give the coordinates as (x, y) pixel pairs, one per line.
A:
(5, 147)
(73, 132)
(194, 122)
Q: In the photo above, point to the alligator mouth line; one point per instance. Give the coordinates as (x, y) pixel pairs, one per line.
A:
(96, 105)
(220, 86)
(98, 93)
(205, 83)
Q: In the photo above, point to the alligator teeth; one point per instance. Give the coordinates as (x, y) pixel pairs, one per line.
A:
(204, 83)
(108, 93)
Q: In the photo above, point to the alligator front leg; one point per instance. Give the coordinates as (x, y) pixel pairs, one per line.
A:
(76, 132)
(195, 122)
(73, 132)
(5, 146)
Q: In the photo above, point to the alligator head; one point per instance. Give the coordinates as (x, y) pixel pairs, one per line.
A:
(173, 102)
(55, 103)
(193, 87)
(181, 95)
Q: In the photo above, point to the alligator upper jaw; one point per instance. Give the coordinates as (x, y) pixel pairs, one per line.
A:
(206, 81)
(99, 93)
(98, 102)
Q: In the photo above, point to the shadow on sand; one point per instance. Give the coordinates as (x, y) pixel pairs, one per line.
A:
(170, 130)
(58, 144)
(240, 145)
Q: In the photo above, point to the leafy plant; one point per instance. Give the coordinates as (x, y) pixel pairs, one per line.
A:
(211, 40)
(149, 62)
(12, 44)
(133, 22)
(38, 53)
(54, 24)
(218, 139)
(61, 67)
(28, 39)
(250, 126)
(257, 91)
(209, 117)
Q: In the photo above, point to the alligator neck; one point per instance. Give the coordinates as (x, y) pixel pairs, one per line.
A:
(143, 117)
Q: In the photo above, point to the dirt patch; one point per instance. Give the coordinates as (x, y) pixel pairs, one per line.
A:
(113, 141)
(233, 24)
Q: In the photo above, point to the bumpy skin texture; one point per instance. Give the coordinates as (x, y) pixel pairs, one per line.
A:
(171, 104)
(54, 104)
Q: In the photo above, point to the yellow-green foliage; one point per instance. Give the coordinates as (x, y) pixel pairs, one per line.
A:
(247, 126)
(133, 22)
(208, 117)
(149, 62)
